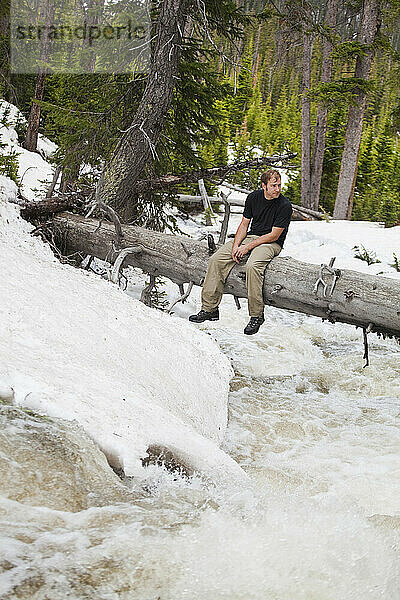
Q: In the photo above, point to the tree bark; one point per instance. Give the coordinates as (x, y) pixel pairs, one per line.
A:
(5, 19)
(322, 113)
(256, 56)
(32, 132)
(137, 147)
(9, 93)
(359, 299)
(306, 124)
(50, 206)
(348, 168)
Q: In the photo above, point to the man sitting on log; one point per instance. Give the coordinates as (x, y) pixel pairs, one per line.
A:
(270, 213)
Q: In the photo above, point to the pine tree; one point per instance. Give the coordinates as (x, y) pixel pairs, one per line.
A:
(369, 27)
(242, 84)
(365, 193)
(389, 211)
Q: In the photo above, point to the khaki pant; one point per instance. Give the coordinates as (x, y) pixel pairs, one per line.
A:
(222, 262)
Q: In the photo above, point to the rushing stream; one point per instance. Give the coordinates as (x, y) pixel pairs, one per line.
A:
(319, 438)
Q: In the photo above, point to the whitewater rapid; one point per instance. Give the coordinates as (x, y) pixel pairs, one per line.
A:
(318, 518)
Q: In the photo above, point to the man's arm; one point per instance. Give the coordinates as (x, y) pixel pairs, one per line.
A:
(241, 233)
(268, 238)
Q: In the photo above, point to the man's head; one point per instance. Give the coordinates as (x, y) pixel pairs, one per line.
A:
(271, 183)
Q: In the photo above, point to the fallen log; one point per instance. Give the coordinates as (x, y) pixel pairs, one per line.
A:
(44, 208)
(370, 302)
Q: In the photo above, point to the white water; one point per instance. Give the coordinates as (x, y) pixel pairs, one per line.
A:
(319, 518)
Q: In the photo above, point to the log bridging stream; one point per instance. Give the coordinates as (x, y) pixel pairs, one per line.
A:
(367, 301)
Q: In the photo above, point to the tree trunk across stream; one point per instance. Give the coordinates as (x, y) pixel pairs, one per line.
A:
(367, 301)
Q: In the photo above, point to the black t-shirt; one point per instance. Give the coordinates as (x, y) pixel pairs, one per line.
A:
(266, 214)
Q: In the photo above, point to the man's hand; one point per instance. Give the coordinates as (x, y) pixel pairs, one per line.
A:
(239, 237)
(239, 252)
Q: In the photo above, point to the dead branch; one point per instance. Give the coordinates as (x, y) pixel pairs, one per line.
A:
(145, 296)
(110, 212)
(120, 259)
(56, 175)
(169, 180)
(206, 201)
(183, 297)
(225, 222)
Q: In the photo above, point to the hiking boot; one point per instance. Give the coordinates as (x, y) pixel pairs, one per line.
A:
(203, 315)
(253, 325)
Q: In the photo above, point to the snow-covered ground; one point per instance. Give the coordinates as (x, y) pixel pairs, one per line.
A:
(76, 347)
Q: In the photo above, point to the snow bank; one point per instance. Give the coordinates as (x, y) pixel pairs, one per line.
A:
(34, 172)
(76, 347)
(318, 241)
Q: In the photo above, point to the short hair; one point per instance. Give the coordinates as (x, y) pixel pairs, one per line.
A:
(271, 173)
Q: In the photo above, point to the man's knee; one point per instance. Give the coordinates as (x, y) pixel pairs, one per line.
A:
(255, 267)
(222, 255)
(216, 261)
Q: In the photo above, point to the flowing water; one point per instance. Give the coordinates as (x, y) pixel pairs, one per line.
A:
(319, 519)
